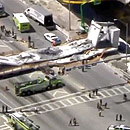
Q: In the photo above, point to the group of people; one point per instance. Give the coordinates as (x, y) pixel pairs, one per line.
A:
(4, 108)
(73, 122)
(8, 32)
(61, 71)
(93, 93)
(118, 117)
(100, 106)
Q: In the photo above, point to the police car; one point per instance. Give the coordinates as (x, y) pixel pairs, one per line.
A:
(118, 127)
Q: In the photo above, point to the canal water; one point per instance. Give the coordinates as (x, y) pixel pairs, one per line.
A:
(106, 11)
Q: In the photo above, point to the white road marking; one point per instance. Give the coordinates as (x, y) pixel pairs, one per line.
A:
(119, 90)
(69, 101)
(7, 127)
(4, 45)
(50, 106)
(82, 99)
(64, 105)
(98, 97)
(100, 93)
(44, 107)
(65, 96)
(44, 101)
(62, 91)
(39, 73)
(7, 100)
(126, 88)
(107, 92)
(2, 125)
(74, 98)
(5, 118)
(86, 95)
(114, 91)
(55, 105)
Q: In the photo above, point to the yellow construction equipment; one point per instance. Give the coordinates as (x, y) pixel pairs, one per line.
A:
(81, 1)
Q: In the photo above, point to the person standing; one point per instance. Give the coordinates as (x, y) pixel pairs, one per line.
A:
(93, 92)
(100, 113)
(12, 32)
(3, 108)
(100, 102)
(70, 123)
(63, 70)
(29, 39)
(116, 117)
(74, 121)
(125, 97)
(89, 95)
(120, 117)
(105, 105)
(96, 91)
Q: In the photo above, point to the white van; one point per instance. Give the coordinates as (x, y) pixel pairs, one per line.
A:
(41, 15)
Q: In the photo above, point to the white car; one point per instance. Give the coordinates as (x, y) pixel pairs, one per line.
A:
(118, 127)
(52, 38)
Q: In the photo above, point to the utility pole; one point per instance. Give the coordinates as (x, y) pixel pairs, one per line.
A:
(126, 24)
(69, 17)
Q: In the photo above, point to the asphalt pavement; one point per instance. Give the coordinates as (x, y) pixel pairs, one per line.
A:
(66, 21)
(57, 107)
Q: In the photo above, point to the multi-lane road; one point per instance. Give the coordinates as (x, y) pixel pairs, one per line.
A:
(58, 106)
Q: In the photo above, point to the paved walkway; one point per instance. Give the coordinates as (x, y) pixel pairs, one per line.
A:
(60, 16)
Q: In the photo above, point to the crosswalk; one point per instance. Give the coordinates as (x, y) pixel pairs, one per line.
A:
(68, 101)
(77, 99)
(5, 126)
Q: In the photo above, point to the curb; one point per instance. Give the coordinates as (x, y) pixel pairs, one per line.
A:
(66, 33)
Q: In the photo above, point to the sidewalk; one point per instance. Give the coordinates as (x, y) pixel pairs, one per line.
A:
(60, 16)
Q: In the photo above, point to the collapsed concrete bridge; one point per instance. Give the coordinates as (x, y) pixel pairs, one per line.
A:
(124, 1)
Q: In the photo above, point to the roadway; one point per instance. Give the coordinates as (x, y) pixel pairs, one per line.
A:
(56, 112)
(59, 106)
(37, 32)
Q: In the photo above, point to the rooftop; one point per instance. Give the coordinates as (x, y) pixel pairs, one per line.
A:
(21, 17)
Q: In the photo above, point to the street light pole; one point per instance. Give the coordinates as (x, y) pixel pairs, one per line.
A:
(126, 37)
(126, 24)
(69, 18)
